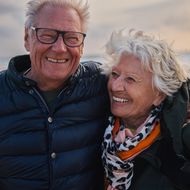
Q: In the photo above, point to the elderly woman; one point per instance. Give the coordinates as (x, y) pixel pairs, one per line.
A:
(146, 142)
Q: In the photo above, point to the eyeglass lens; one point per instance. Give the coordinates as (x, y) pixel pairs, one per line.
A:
(51, 36)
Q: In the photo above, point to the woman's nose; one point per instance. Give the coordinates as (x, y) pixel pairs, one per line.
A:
(118, 84)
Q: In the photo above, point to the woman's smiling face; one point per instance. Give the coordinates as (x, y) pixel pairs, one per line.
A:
(130, 89)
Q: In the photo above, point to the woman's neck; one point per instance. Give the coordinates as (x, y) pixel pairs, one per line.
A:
(134, 123)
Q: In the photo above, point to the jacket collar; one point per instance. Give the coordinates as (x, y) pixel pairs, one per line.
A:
(20, 64)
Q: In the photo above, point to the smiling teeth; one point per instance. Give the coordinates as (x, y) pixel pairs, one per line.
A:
(57, 60)
(120, 99)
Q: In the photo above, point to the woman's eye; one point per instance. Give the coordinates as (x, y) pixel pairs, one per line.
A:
(114, 74)
(130, 79)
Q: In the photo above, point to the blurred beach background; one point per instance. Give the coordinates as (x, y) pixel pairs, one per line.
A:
(170, 19)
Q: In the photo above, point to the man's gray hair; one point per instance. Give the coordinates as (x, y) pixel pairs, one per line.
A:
(155, 55)
(34, 6)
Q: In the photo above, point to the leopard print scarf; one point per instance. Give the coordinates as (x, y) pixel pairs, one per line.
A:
(118, 168)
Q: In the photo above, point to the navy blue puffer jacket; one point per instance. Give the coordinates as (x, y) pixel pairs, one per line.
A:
(57, 148)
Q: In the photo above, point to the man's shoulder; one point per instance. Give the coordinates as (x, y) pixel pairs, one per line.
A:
(3, 82)
(2, 75)
(89, 74)
(2, 72)
(90, 68)
(92, 65)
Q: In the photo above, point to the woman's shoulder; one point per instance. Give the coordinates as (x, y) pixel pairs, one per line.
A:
(186, 139)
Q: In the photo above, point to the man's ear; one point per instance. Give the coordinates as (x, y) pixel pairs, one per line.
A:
(81, 49)
(26, 39)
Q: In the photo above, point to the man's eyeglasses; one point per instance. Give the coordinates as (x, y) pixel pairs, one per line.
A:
(50, 36)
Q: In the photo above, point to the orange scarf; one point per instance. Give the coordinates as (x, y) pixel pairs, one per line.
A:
(142, 145)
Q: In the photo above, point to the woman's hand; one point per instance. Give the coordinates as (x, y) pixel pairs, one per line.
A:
(111, 188)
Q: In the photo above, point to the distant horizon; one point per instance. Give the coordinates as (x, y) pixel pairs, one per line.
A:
(89, 55)
(183, 56)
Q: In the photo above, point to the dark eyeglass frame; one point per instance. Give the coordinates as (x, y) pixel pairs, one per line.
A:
(62, 33)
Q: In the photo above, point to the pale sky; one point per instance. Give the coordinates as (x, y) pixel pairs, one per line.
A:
(170, 19)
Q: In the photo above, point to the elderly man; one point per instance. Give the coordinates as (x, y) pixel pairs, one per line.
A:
(53, 109)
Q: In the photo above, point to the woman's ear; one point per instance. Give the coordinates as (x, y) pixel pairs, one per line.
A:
(159, 98)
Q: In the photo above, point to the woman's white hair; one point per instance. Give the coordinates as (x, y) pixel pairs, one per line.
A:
(34, 7)
(155, 55)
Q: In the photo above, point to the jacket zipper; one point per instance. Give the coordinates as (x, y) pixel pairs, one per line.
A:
(49, 138)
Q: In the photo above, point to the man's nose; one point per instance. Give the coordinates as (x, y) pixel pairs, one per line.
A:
(59, 45)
